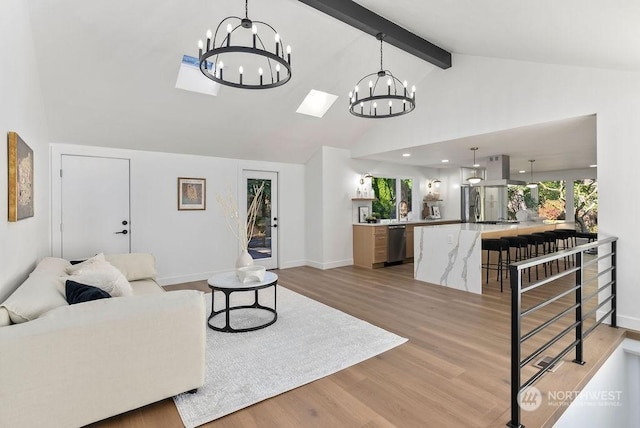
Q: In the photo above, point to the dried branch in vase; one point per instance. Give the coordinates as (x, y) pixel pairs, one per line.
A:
(243, 231)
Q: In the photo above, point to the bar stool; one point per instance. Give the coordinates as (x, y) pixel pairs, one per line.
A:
(499, 246)
(521, 246)
(550, 246)
(564, 239)
(536, 248)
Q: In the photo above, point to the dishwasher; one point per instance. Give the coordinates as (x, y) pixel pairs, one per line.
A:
(397, 243)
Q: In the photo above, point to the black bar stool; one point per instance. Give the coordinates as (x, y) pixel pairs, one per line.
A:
(550, 246)
(521, 247)
(536, 248)
(500, 246)
(564, 242)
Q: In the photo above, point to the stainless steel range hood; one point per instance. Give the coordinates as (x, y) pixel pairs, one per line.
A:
(498, 173)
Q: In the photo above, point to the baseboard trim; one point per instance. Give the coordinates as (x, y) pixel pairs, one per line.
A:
(330, 265)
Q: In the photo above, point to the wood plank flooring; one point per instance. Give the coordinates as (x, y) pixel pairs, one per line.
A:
(454, 370)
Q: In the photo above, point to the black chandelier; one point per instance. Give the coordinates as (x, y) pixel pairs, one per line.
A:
(232, 72)
(395, 100)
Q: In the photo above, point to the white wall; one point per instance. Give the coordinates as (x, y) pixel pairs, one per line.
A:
(479, 95)
(314, 210)
(191, 245)
(24, 242)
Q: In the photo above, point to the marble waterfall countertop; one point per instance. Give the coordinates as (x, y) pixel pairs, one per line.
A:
(451, 254)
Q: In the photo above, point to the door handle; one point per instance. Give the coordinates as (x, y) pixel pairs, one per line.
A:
(124, 232)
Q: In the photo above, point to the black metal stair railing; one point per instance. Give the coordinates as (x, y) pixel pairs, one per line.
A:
(607, 267)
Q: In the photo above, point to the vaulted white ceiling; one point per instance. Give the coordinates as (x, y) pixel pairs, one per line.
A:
(108, 69)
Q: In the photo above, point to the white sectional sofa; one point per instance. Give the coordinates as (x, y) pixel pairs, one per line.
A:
(67, 365)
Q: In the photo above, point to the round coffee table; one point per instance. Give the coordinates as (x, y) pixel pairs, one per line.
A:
(228, 283)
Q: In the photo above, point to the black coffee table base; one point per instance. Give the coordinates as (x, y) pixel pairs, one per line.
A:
(226, 311)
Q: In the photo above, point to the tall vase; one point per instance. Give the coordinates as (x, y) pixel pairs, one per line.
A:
(244, 259)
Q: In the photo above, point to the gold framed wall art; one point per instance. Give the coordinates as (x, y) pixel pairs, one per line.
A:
(20, 180)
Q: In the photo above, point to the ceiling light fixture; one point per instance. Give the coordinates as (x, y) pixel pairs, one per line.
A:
(531, 184)
(389, 99)
(475, 178)
(260, 60)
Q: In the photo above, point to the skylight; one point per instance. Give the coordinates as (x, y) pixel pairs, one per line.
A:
(190, 78)
(316, 103)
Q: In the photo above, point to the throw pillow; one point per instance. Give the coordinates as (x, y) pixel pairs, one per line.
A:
(39, 293)
(104, 276)
(78, 293)
(77, 267)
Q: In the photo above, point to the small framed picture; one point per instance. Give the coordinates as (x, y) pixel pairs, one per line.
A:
(363, 213)
(192, 194)
(435, 211)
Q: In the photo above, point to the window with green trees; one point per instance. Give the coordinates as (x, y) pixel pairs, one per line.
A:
(392, 197)
(551, 203)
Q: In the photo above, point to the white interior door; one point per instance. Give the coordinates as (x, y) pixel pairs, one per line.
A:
(94, 206)
(263, 246)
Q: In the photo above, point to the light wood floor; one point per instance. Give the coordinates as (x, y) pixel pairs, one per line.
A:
(454, 370)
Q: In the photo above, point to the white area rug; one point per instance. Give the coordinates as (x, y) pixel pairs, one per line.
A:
(308, 341)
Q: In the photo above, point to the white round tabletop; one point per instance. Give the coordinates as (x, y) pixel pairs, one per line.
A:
(230, 280)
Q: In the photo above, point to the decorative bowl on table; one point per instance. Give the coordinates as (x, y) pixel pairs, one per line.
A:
(253, 273)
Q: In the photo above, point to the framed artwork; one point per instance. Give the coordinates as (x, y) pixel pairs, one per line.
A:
(435, 211)
(363, 213)
(20, 183)
(192, 194)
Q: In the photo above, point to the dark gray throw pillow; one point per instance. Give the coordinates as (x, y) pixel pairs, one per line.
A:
(78, 293)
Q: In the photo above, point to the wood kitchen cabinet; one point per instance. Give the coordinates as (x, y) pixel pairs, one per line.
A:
(369, 245)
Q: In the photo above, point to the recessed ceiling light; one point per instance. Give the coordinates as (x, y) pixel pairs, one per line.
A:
(316, 103)
(522, 171)
(593, 166)
(406, 155)
(444, 160)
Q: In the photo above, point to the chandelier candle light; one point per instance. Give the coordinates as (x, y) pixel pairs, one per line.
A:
(396, 97)
(219, 57)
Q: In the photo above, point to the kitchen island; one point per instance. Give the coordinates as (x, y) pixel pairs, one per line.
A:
(451, 255)
(370, 241)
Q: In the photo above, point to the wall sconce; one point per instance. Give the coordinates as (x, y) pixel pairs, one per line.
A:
(435, 183)
(364, 177)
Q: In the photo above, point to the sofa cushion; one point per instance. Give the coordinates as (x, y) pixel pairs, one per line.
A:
(104, 276)
(143, 287)
(78, 293)
(39, 293)
(134, 266)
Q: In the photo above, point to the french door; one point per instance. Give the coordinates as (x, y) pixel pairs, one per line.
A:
(263, 245)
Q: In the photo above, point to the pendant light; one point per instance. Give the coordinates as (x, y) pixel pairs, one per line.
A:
(475, 179)
(531, 184)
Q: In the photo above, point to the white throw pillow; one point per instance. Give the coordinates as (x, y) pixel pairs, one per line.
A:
(39, 293)
(104, 276)
(98, 258)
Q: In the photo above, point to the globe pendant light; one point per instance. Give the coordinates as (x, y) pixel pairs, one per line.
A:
(475, 179)
(388, 99)
(531, 184)
(264, 68)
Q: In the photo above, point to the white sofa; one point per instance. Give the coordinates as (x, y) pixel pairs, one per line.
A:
(75, 364)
